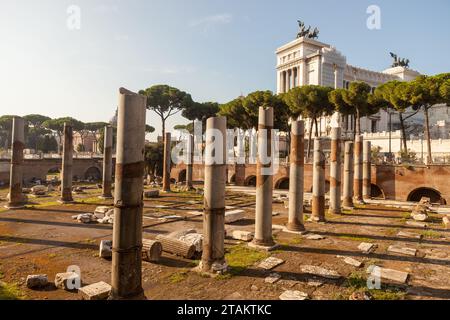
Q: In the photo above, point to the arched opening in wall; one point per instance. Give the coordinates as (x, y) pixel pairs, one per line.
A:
(182, 176)
(173, 181)
(434, 195)
(233, 179)
(93, 174)
(53, 175)
(282, 184)
(250, 181)
(376, 192)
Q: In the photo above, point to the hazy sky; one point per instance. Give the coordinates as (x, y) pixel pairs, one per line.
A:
(213, 49)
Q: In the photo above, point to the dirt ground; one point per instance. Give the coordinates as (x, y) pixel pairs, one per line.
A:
(44, 239)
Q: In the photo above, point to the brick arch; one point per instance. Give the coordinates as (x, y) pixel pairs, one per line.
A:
(435, 195)
(282, 183)
(250, 181)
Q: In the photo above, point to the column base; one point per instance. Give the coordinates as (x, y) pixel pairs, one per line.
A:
(66, 201)
(15, 206)
(335, 211)
(263, 247)
(317, 219)
(295, 228)
(216, 269)
(348, 205)
(359, 201)
(140, 296)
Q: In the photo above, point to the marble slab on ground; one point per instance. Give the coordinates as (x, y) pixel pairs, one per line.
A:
(417, 224)
(270, 263)
(272, 278)
(388, 274)
(320, 272)
(403, 250)
(293, 295)
(367, 248)
(351, 261)
(234, 216)
(409, 235)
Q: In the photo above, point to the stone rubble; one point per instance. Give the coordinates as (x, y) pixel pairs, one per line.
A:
(417, 224)
(272, 278)
(96, 291)
(402, 250)
(151, 194)
(351, 261)
(403, 234)
(388, 274)
(293, 295)
(320, 272)
(66, 280)
(446, 222)
(367, 248)
(37, 281)
(234, 216)
(105, 250)
(270, 263)
(242, 235)
(314, 237)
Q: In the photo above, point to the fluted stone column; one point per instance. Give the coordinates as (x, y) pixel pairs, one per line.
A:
(126, 277)
(167, 162)
(16, 199)
(213, 258)
(67, 165)
(264, 181)
(318, 196)
(107, 163)
(367, 168)
(348, 175)
(190, 162)
(296, 177)
(358, 173)
(335, 171)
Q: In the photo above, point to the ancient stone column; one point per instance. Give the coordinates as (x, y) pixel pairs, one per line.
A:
(358, 173)
(296, 176)
(318, 195)
(213, 258)
(335, 171)
(167, 162)
(264, 181)
(107, 163)
(367, 168)
(126, 277)
(190, 161)
(348, 176)
(16, 199)
(67, 164)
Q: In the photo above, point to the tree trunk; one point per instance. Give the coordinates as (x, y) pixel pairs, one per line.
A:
(308, 153)
(358, 123)
(163, 123)
(402, 125)
(317, 128)
(427, 134)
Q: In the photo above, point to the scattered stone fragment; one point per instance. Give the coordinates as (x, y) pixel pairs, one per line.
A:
(446, 222)
(242, 235)
(105, 250)
(417, 224)
(388, 274)
(195, 239)
(254, 288)
(234, 216)
(315, 283)
(293, 295)
(314, 237)
(37, 281)
(234, 296)
(66, 280)
(403, 234)
(367, 248)
(275, 214)
(270, 263)
(360, 296)
(106, 220)
(151, 194)
(86, 218)
(272, 278)
(39, 190)
(402, 250)
(425, 200)
(320, 272)
(100, 212)
(351, 261)
(96, 291)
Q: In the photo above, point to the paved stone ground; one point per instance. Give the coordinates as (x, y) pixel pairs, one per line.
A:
(44, 239)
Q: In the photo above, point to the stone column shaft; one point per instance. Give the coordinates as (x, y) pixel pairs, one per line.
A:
(348, 175)
(213, 258)
(107, 162)
(296, 176)
(167, 162)
(16, 198)
(264, 180)
(67, 165)
(318, 196)
(190, 161)
(126, 277)
(358, 173)
(367, 171)
(335, 171)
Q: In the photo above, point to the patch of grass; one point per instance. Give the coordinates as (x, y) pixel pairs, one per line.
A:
(43, 204)
(357, 282)
(356, 238)
(344, 211)
(388, 294)
(178, 277)
(290, 242)
(241, 257)
(52, 255)
(10, 292)
(430, 234)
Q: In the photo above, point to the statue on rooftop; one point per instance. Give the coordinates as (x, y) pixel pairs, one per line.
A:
(306, 32)
(399, 62)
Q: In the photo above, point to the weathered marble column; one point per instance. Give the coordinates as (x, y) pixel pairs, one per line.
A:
(348, 175)
(126, 277)
(167, 162)
(107, 163)
(296, 177)
(358, 173)
(190, 162)
(67, 164)
(16, 199)
(264, 181)
(367, 171)
(335, 171)
(213, 258)
(318, 195)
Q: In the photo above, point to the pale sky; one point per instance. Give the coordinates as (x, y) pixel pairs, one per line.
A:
(215, 50)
